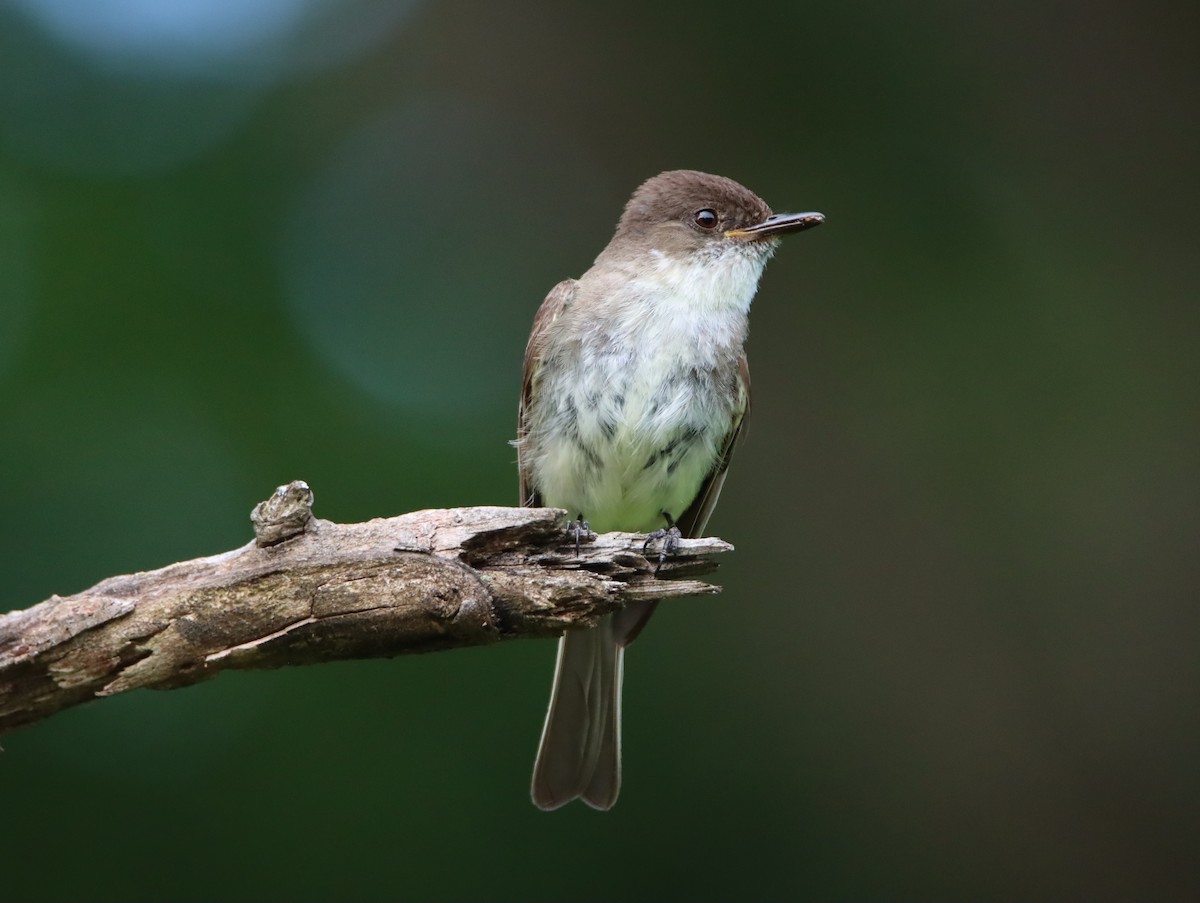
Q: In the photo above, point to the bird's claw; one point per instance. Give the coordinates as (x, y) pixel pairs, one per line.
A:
(670, 537)
(579, 530)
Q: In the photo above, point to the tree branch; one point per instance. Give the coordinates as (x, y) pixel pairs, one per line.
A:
(307, 591)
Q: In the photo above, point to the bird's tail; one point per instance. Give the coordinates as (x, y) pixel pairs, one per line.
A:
(580, 750)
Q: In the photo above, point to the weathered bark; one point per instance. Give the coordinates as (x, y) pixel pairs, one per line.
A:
(308, 591)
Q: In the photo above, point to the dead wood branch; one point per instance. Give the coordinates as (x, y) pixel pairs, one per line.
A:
(308, 591)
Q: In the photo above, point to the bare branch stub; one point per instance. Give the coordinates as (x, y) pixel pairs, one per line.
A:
(307, 591)
(287, 513)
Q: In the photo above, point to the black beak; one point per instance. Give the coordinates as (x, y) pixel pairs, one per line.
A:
(779, 224)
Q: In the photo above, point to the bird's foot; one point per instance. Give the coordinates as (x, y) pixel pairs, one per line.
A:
(579, 530)
(670, 537)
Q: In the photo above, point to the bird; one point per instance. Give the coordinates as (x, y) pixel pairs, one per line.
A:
(635, 388)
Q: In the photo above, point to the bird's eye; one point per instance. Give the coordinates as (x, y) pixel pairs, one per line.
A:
(706, 218)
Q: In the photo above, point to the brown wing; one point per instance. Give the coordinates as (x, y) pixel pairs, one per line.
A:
(629, 621)
(556, 302)
(693, 521)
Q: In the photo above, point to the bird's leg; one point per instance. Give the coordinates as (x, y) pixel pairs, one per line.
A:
(670, 537)
(579, 529)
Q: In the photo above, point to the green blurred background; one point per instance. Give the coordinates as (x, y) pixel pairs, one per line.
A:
(956, 655)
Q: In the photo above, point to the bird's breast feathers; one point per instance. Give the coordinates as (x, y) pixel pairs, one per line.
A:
(629, 414)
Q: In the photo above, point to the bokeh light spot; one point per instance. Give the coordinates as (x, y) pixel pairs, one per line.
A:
(416, 261)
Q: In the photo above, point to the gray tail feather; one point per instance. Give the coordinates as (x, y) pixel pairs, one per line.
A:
(580, 751)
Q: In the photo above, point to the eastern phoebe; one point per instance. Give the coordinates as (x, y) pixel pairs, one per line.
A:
(635, 389)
